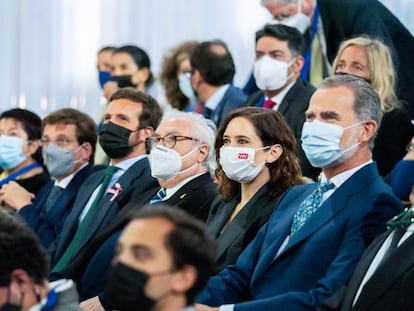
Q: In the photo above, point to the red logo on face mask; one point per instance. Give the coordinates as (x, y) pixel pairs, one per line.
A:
(243, 156)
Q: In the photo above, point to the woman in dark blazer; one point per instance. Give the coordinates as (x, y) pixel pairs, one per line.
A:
(256, 152)
(371, 60)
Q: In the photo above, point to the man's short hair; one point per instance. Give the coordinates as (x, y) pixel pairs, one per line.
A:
(203, 129)
(86, 131)
(367, 104)
(214, 61)
(189, 243)
(20, 248)
(291, 35)
(151, 111)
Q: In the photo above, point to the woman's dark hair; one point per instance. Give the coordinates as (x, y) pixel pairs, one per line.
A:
(272, 129)
(32, 125)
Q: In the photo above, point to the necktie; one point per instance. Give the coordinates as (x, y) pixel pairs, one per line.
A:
(207, 113)
(309, 206)
(51, 199)
(269, 104)
(84, 224)
(159, 196)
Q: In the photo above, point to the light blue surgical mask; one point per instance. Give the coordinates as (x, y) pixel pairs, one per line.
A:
(321, 143)
(58, 160)
(11, 151)
(184, 83)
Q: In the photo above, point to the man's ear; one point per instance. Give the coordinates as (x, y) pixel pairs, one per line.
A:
(86, 150)
(369, 129)
(203, 153)
(146, 132)
(274, 153)
(298, 64)
(184, 279)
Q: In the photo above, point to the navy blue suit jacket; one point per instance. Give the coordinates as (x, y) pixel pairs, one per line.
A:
(318, 259)
(233, 98)
(48, 226)
(135, 181)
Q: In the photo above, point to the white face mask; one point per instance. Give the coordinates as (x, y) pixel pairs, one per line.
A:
(271, 74)
(299, 21)
(238, 163)
(184, 84)
(166, 163)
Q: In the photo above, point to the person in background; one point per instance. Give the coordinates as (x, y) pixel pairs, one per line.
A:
(20, 150)
(131, 67)
(69, 139)
(402, 176)
(371, 60)
(257, 155)
(175, 76)
(277, 70)
(164, 258)
(211, 79)
(104, 64)
(326, 23)
(311, 244)
(23, 272)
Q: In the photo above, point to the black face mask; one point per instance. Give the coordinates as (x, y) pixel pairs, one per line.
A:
(114, 140)
(125, 290)
(123, 81)
(350, 74)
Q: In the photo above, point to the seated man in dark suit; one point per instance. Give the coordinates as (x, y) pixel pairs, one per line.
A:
(384, 277)
(69, 139)
(277, 71)
(317, 232)
(181, 158)
(130, 118)
(212, 77)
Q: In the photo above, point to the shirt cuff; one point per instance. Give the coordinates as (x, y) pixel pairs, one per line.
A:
(226, 308)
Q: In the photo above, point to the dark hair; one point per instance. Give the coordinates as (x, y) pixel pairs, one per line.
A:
(32, 125)
(106, 48)
(151, 111)
(140, 57)
(85, 127)
(20, 248)
(214, 61)
(291, 35)
(168, 75)
(189, 243)
(272, 129)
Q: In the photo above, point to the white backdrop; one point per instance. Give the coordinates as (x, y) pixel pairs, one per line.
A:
(48, 49)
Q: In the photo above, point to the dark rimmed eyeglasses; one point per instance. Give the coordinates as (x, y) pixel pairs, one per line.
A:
(168, 141)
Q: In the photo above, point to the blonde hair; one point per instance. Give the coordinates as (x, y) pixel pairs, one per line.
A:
(381, 68)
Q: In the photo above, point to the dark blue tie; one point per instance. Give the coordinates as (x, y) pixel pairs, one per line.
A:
(51, 199)
(159, 196)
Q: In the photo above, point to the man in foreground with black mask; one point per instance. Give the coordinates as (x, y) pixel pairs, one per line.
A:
(164, 258)
(23, 272)
(130, 118)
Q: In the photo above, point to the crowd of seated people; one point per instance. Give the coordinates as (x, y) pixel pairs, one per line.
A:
(298, 205)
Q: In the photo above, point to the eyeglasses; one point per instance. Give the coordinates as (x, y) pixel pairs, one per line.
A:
(168, 141)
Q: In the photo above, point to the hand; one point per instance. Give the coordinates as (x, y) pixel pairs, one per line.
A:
(110, 88)
(92, 304)
(15, 196)
(200, 307)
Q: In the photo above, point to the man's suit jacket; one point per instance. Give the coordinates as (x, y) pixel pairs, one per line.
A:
(242, 229)
(293, 108)
(48, 226)
(318, 259)
(232, 99)
(346, 19)
(90, 269)
(134, 181)
(389, 288)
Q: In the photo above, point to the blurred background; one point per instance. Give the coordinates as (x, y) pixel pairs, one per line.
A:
(48, 47)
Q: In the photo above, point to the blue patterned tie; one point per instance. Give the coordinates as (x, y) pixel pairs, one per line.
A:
(309, 206)
(159, 196)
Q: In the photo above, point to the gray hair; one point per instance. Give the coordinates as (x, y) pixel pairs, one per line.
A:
(367, 104)
(203, 129)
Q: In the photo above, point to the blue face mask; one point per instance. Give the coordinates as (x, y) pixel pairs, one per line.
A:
(184, 83)
(104, 76)
(321, 143)
(11, 151)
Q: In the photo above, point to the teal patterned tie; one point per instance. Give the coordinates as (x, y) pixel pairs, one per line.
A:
(309, 206)
(159, 196)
